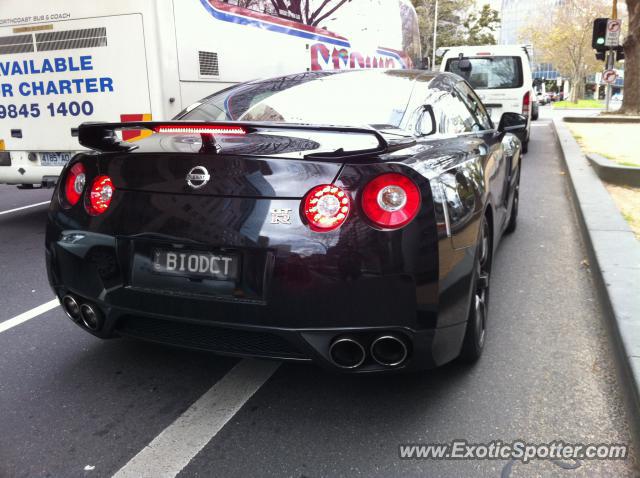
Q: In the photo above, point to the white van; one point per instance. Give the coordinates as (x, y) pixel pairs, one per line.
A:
(501, 76)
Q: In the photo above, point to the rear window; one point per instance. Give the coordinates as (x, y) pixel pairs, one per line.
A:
(490, 72)
(354, 98)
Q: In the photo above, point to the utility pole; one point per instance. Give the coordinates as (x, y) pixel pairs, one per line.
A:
(435, 35)
(611, 60)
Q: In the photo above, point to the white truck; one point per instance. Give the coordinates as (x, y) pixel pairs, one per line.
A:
(64, 62)
(501, 76)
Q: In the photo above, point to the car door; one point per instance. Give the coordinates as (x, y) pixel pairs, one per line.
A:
(458, 153)
(497, 169)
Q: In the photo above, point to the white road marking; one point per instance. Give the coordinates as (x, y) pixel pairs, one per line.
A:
(24, 207)
(176, 445)
(28, 315)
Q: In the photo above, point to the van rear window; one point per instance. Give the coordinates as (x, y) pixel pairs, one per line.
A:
(490, 72)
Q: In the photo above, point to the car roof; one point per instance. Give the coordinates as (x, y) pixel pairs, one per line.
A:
(471, 50)
(422, 75)
(445, 79)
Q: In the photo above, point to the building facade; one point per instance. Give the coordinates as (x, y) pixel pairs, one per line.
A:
(515, 16)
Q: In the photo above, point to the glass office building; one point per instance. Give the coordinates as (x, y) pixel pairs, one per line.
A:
(517, 15)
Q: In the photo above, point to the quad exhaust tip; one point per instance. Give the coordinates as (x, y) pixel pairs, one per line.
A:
(91, 317)
(389, 350)
(346, 352)
(71, 307)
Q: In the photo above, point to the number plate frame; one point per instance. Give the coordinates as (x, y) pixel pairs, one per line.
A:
(54, 158)
(207, 264)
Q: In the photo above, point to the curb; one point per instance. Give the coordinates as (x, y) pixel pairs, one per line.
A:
(603, 119)
(614, 173)
(614, 255)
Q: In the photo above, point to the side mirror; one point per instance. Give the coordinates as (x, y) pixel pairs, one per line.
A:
(464, 65)
(512, 123)
(426, 124)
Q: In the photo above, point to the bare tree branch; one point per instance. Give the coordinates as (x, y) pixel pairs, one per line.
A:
(316, 17)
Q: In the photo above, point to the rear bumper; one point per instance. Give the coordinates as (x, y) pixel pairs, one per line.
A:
(19, 169)
(297, 325)
(427, 348)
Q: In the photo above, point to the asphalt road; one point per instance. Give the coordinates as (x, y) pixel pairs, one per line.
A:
(72, 405)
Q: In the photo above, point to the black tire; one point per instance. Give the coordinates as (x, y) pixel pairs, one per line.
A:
(475, 335)
(525, 147)
(513, 218)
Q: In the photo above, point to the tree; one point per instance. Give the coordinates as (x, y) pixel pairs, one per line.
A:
(458, 24)
(566, 42)
(482, 26)
(631, 100)
(312, 12)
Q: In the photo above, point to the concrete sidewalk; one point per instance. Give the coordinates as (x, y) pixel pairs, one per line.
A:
(614, 259)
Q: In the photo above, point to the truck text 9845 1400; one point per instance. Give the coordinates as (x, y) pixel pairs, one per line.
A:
(33, 110)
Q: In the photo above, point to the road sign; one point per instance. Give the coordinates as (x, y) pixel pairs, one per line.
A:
(613, 32)
(609, 77)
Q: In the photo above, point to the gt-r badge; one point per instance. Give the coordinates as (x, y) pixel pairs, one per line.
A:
(197, 177)
(281, 216)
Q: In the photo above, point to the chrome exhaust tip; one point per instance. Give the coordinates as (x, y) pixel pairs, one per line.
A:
(346, 352)
(91, 317)
(71, 307)
(389, 350)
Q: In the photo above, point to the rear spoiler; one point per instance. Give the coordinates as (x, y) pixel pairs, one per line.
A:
(102, 136)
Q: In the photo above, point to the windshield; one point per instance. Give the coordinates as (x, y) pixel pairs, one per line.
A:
(355, 98)
(490, 72)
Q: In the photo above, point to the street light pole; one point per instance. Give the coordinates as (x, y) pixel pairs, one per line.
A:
(435, 36)
(611, 61)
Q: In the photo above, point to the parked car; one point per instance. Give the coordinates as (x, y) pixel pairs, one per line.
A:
(542, 98)
(347, 218)
(535, 111)
(500, 74)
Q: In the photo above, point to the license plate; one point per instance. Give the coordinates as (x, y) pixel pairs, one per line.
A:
(54, 159)
(204, 265)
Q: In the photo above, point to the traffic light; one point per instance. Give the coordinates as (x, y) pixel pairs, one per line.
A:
(599, 33)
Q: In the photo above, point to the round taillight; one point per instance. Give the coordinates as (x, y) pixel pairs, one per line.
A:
(326, 207)
(74, 184)
(391, 201)
(100, 195)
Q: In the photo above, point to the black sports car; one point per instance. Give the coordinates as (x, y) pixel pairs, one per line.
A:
(348, 218)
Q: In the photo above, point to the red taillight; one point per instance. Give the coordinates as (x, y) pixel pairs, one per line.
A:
(74, 184)
(201, 129)
(391, 201)
(100, 195)
(326, 207)
(526, 104)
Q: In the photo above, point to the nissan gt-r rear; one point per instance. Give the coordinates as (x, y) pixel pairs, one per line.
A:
(253, 227)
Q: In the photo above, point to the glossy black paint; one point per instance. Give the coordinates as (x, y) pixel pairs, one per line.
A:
(298, 289)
